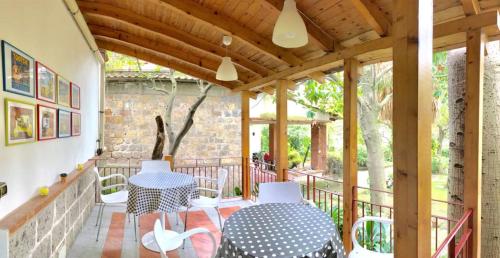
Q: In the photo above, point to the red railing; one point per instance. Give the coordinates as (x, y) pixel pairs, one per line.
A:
(464, 244)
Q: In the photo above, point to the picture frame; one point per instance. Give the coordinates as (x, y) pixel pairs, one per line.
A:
(47, 123)
(63, 123)
(46, 83)
(18, 71)
(63, 92)
(75, 96)
(76, 124)
(20, 122)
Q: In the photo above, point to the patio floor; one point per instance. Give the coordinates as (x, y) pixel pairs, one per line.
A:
(117, 233)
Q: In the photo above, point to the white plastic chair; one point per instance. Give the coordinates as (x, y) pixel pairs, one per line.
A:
(281, 192)
(209, 202)
(171, 240)
(361, 252)
(112, 198)
(155, 166)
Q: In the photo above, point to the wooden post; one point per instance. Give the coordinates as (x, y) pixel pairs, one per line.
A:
(170, 159)
(473, 133)
(412, 54)
(351, 75)
(245, 143)
(281, 131)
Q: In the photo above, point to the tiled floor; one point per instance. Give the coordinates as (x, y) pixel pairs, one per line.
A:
(117, 233)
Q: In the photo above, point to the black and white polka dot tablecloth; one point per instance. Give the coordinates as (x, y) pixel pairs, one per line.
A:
(280, 230)
(164, 192)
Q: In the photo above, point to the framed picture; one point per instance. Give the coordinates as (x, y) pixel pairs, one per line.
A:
(63, 123)
(47, 123)
(46, 81)
(75, 96)
(20, 122)
(76, 124)
(63, 92)
(18, 71)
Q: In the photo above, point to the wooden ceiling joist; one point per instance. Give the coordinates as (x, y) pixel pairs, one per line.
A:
(471, 7)
(373, 16)
(134, 19)
(322, 39)
(143, 55)
(440, 30)
(209, 64)
(232, 27)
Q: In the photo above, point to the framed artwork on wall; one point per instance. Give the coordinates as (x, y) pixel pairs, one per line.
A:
(75, 96)
(76, 124)
(46, 83)
(47, 123)
(63, 92)
(18, 71)
(20, 122)
(63, 123)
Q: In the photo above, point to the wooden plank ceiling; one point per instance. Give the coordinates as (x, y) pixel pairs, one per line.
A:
(186, 34)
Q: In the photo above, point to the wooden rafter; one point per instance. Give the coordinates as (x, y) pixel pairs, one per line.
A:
(181, 67)
(373, 16)
(440, 30)
(230, 26)
(322, 39)
(471, 7)
(156, 46)
(134, 19)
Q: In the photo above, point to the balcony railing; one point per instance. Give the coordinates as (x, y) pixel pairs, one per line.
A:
(463, 247)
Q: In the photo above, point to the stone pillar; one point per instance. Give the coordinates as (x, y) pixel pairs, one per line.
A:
(272, 141)
(319, 144)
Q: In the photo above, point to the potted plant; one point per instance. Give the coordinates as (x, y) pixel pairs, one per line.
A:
(63, 177)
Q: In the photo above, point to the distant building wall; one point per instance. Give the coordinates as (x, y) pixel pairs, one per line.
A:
(131, 108)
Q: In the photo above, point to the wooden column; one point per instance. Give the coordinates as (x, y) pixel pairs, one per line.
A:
(170, 160)
(412, 54)
(272, 141)
(473, 133)
(245, 143)
(350, 163)
(281, 131)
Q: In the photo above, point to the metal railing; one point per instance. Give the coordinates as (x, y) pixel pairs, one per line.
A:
(462, 248)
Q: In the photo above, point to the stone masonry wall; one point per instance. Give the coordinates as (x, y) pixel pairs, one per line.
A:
(52, 231)
(131, 108)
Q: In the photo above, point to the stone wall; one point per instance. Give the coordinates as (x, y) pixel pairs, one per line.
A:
(53, 230)
(131, 108)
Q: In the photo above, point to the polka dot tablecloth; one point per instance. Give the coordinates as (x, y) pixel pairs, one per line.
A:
(164, 192)
(280, 230)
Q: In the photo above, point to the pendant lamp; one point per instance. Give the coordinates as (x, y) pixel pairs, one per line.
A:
(290, 30)
(226, 70)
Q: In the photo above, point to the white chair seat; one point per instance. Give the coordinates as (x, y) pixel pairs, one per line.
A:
(116, 197)
(362, 253)
(204, 202)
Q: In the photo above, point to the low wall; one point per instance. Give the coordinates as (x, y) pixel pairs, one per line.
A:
(47, 226)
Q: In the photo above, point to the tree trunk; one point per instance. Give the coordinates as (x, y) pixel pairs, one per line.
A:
(456, 93)
(490, 236)
(160, 139)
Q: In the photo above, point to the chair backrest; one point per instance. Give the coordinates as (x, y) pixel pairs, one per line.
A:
(98, 178)
(221, 180)
(359, 251)
(280, 192)
(155, 166)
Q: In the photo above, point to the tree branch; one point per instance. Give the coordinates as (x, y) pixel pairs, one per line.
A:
(170, 104)
(386, 100)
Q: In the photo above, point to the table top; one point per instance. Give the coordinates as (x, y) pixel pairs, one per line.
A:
(161, 180)
(282, 229)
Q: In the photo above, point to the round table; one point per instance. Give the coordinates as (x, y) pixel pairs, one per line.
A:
(164, 192)
(280, 230)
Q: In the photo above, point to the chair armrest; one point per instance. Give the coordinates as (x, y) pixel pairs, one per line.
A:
(113, 186)
(214, 180)
(115, 175)
(206, 189)
(309, 202)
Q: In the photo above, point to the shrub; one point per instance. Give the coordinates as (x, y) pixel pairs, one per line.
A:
(334, 162)
(362, 156)
(294, 158)
(439, 164)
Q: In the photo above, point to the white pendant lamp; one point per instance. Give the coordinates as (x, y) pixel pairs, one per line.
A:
(290, 30)
(226, 70)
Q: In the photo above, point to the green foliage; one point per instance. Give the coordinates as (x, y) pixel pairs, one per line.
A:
(334, 162)
(326, 96)
(299, 138)
(294, 158)
(376, 237)
(264, 139)
(237, 191)
(439, 164)
(362, 156)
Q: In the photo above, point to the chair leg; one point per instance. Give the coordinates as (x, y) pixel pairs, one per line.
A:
(128, 216)
(135, 228)
(177, 218)
(100, 223)
(220, 220)
(98, 214)
(185, 225)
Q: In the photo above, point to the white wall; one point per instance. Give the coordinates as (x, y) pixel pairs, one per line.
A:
(45, 30)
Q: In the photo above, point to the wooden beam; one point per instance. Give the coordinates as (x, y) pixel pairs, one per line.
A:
(130, 18)
(322, 39)
(412, 55)
(351, 76)
(204, 63)
(373, 16)
(282, 131)
(245, 143)
(231, 26)
(474, 66)
(440, 30)
(471, 7)
(144, 55)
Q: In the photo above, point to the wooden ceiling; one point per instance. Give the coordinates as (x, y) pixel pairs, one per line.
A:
(186, 35)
